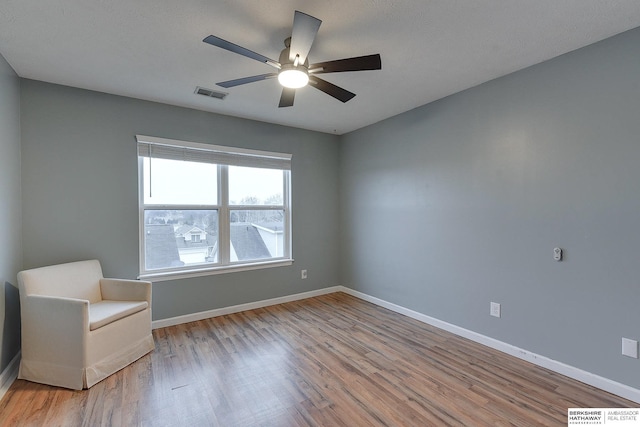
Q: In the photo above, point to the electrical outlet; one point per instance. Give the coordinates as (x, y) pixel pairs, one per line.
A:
(303, 274)
(630, 348)
(495, 309)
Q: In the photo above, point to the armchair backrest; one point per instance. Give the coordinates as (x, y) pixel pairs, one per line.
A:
(72, 280)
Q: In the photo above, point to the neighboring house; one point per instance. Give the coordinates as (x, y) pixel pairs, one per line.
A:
(162, 249)
(190, 233)
(247, 243)
(272, 234)
(195, 245)
(170, 245)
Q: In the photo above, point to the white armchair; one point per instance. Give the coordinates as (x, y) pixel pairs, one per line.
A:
(78, 327)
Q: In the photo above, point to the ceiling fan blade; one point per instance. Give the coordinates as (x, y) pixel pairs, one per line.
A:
(245, 80)
(330, 89)
(286, 99)
(231, 47)
(360, 63)
(305, 28)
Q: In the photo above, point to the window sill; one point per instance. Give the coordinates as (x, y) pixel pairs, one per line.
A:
(185, 274)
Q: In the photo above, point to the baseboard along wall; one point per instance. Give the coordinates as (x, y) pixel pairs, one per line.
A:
(594, 380)
(178, 320)
(10, 373)
(602, 383)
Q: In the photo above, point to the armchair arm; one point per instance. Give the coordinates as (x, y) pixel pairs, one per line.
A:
(54, 327)
(126, 290)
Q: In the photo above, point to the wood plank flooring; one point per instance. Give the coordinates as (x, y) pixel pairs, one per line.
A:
(332, 360)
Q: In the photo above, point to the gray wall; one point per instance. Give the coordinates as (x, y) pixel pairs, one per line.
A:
(461, 202)
(11, 229)
(80, 200)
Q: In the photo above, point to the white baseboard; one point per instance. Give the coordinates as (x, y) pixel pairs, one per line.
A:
(171, 321)
(9, 375)
(602, 383)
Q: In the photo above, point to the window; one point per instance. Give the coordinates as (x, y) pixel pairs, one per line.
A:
(207, 208)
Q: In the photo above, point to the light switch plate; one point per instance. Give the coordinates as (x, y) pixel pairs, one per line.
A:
(630, 348)
(495, 309)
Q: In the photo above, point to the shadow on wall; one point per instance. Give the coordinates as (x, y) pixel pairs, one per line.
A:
(11, 332)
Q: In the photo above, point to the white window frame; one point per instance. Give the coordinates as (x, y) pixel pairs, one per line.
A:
(223, 156)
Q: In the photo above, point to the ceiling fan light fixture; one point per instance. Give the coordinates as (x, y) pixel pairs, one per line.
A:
(293, 77)
(293, 64)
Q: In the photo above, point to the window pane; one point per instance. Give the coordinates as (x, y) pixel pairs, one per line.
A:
(179, 238)
(256, 234)
(197, 215)
(179, 183)
(255, 186)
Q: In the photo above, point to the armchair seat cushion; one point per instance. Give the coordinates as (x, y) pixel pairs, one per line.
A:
(107, 311)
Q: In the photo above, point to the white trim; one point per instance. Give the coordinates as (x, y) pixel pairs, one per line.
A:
(9, 374)
(594, 380)
(211, 147)
(230, 268)
(223, 209)
(178, 320)
(141, 245)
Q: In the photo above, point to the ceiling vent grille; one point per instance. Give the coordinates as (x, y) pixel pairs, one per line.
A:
(210, 93)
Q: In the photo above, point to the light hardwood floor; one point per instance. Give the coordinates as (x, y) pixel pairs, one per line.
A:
(332, 360)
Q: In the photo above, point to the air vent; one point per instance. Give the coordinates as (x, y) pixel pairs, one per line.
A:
(210, 93)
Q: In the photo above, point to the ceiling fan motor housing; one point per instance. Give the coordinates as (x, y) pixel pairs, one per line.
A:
(292, 74)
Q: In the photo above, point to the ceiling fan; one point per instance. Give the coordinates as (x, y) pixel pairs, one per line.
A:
(294, 70)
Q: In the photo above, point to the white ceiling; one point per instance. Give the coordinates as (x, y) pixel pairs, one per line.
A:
(153, 49)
